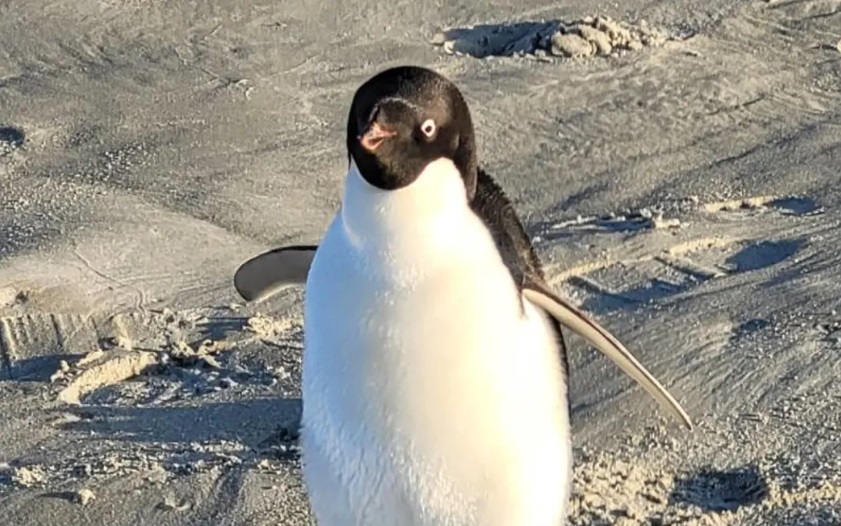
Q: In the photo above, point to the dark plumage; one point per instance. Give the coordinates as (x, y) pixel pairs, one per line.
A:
(401, 98)
(497, 212)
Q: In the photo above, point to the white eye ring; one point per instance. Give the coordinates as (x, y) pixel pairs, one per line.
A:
(428, 127)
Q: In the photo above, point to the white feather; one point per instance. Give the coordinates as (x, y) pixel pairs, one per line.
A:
(429, 397)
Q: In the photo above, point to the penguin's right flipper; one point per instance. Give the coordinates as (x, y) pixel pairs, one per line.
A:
(571, 317)
(493, 206)
(268, 273)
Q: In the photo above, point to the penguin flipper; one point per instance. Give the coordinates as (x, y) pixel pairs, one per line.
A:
(268, 273)
(571, 317)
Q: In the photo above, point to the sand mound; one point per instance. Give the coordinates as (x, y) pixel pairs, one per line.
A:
(590, 36)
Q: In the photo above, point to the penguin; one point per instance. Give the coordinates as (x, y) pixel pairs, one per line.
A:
(434, 384)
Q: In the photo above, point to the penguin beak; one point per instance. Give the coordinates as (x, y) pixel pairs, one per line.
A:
(374, 135)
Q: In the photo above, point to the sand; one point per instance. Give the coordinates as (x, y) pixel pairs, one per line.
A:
(677, 164)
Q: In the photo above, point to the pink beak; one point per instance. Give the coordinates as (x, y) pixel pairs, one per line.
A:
(374, 136)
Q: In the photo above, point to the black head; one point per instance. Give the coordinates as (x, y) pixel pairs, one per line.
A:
(404, 118)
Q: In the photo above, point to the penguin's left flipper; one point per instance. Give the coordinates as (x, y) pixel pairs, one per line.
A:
(270, 272)
(540, 295)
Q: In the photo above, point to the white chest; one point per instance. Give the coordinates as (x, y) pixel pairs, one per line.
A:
(430, 396)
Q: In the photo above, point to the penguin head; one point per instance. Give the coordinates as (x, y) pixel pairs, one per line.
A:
(404, 118)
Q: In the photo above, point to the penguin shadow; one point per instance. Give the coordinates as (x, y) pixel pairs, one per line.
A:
(750, 257)
(721, 490)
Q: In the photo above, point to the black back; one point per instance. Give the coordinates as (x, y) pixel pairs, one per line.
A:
(497, 212)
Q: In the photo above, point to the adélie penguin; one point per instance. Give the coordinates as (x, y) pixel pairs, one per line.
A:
(434, 379)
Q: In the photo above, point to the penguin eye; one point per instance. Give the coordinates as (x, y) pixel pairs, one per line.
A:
(429, 128)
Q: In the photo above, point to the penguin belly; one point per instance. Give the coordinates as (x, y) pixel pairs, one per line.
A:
(431, 401)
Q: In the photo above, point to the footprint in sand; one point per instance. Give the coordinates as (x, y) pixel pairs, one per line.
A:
(11, 139)
(624, 493)
(749, 235)
(717, 490)
(97, 359)
(32, 346)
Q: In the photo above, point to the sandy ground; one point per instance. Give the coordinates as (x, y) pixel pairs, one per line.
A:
(680, 176)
